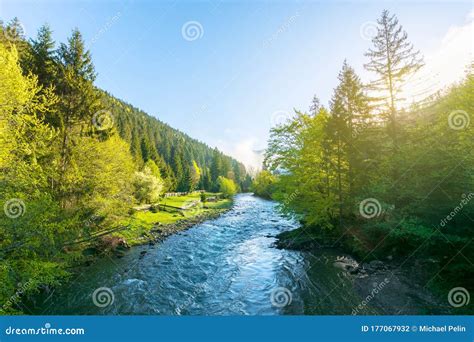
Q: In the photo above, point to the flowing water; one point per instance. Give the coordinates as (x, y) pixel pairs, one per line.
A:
(225, 266)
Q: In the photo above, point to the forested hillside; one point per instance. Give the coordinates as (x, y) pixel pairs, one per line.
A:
(74, 161)
(173, 150)
(385, 181)
(176, 154)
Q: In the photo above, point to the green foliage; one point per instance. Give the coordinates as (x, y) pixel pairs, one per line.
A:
(176, 154)
(74, 160)
(148, 184)
(226, 186)
(102, 177)
(415, 165)
(264, 184)
(194, 176)
(141, 222)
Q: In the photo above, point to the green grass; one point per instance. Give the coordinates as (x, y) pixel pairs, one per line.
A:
(180, 200)
(141, 222)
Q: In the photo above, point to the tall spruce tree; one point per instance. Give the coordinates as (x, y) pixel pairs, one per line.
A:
(393, 58)
(43, 63)
(79, 101)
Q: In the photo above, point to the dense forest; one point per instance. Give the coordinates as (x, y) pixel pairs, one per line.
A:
(176, 154)
(75, 160)
(368, 173)
(381, 179)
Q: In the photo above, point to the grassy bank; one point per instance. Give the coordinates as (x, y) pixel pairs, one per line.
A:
(147, 225)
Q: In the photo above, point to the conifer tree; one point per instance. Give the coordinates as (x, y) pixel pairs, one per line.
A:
(43, 63)
(393, 59)
(79, 100)
(350, 117)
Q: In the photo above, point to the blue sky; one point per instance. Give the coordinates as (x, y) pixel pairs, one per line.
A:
(251, 59)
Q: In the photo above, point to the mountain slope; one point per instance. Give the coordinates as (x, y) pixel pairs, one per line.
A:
(174, 150)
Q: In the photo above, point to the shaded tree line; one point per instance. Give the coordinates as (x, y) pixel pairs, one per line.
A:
(382, 179)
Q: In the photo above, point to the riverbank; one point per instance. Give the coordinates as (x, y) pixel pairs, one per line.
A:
(392, 286)
(141, 228)
(159, 231)
(151, 227)
(224, 266)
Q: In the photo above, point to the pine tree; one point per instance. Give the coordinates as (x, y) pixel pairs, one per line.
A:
(392, 59)
(145, 150)
(194, 175)
(43, 63)
(178, 169)
(77, 58)
(205, 182)
(216, 167)
(79, 101)
(13, 34)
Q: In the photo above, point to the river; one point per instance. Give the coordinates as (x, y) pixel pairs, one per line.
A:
(225, 266)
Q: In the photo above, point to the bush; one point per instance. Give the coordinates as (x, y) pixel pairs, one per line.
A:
(148, 187)
(226, 186)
